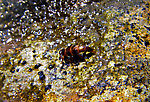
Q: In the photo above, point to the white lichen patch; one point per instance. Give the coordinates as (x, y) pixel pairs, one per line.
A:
(111, 64)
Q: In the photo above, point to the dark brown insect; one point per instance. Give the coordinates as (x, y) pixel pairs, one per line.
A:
(76, 53)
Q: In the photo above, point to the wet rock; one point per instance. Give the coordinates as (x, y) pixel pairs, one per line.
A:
(47, 87)
(51, 66)
(37, 66)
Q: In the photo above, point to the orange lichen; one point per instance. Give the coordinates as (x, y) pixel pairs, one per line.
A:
(74, 97)
(50, 97)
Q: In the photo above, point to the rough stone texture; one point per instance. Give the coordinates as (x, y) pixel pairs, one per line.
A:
(33, 32)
